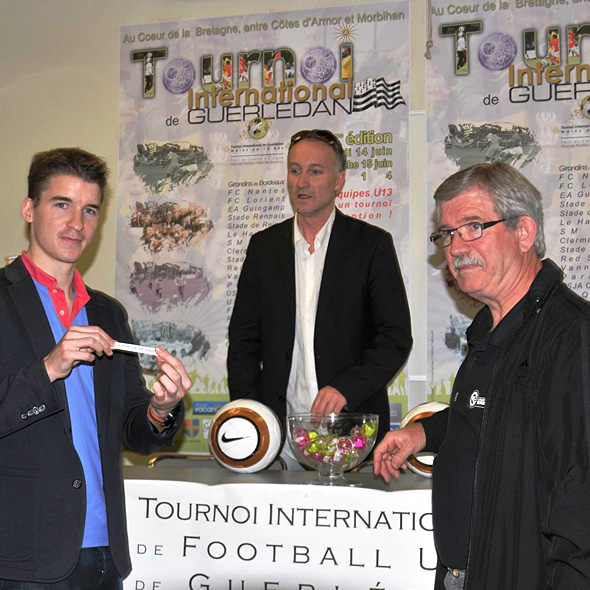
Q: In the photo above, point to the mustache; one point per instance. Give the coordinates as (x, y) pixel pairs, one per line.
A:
(462, 260)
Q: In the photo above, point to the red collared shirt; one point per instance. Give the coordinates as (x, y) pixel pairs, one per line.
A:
(58, 296)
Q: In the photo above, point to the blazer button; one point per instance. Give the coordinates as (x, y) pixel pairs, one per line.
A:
(23, 416)
(77, 483)
(42, 408)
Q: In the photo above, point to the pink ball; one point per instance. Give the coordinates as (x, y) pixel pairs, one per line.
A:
(344, 445)
(359, 441)
(300, 437)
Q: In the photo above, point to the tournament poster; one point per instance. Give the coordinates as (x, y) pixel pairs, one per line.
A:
(508, 81)
(207, 109)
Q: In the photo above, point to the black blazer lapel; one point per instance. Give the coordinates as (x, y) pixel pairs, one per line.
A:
(26, 299)
(332, 266)
(286, 264)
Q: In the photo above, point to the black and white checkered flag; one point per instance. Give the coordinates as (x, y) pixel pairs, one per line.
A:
(376, 92)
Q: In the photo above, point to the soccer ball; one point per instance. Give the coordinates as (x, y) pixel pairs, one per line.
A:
(245, 436)
(421, 411)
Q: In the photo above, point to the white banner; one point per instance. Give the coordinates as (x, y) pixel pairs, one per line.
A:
(270, 537)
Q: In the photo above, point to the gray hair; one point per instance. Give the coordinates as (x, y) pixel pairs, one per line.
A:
(511, 192)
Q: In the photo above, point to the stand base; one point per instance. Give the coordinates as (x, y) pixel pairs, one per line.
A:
(333, 478)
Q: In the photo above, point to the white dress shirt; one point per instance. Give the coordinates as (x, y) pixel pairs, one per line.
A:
(303, 384)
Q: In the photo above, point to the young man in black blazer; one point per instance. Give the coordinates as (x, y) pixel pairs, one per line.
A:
(68, 401)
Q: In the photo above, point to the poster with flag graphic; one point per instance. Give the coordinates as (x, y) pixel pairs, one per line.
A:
(376, 92)
(509, 81)
(207, 109)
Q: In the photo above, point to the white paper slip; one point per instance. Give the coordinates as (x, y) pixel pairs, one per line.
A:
(134, 348)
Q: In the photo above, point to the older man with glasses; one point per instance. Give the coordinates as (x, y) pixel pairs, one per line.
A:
(321, 320)
(510, 482)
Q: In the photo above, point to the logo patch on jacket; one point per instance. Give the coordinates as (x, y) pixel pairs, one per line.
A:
(475, 401)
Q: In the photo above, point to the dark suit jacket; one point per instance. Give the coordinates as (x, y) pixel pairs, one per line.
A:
(362, 330)
(42, 490)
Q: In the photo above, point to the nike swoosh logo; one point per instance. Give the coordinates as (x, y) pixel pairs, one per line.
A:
(225, 439)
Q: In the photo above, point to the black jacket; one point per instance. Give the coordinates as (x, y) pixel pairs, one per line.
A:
(530, 527)
(362, 330)
(42, 491)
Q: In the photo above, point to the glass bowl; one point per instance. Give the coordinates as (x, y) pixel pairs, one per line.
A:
(332, 443)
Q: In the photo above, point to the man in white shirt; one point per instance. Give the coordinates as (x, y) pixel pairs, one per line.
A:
(321, 320)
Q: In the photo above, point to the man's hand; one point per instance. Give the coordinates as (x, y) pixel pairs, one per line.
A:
(328, 400)
(79, 344)
(171, 385)
(391, 453)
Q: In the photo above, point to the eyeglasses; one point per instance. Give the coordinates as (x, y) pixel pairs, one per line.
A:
(469, 232)
(319, 134)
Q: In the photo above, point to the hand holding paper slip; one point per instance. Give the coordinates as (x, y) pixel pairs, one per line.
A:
(134, 348)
